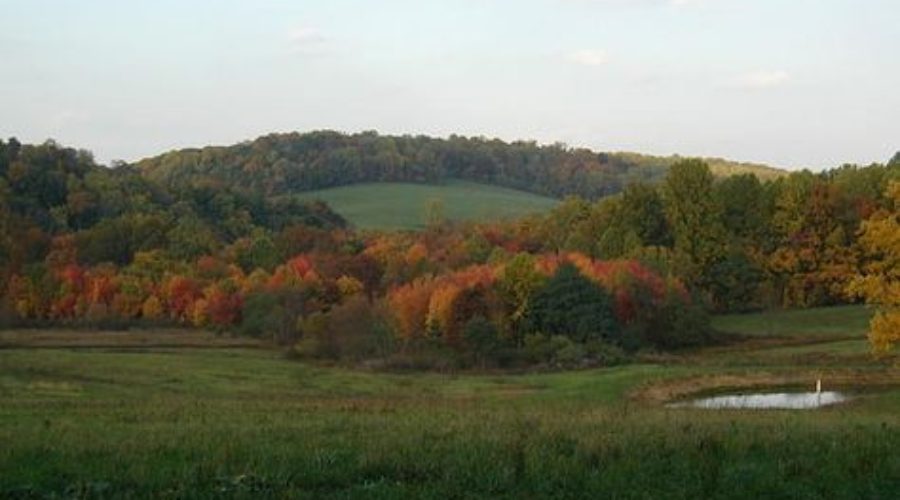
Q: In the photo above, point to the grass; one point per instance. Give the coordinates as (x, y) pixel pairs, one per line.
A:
(135, 338)
(248, 423)
(389, 206)
(826, 323)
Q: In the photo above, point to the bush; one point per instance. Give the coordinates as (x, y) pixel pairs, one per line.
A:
(351, 331)
(537, 348)
(424, 355)
(568, 352)
(605, 354)
(482, 341)
(678, 322)
(563, 352)
(271, 314)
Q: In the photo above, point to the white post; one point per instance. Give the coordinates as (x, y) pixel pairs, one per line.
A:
(818, 385)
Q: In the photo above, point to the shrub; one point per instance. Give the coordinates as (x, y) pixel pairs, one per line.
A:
(271, 314)
(678, 322)
(568, 353)
(353, 330)
(604, 353)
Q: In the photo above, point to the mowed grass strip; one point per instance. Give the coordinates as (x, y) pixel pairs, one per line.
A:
(389, 206)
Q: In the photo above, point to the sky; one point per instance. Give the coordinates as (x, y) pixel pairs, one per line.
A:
(793, 83)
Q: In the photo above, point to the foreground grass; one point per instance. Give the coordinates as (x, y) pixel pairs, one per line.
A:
(404, 206)
(153, 422)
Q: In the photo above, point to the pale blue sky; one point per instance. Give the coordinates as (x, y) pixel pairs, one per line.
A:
(795, 83)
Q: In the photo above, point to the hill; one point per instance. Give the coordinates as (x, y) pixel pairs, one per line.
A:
(393, 205)
(57, 200)
(720, 167)
(279, 164)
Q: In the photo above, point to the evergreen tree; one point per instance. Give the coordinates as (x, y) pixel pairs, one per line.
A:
(572, 305)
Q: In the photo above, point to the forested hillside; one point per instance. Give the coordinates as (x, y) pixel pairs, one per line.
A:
(587, 282)
(287, 163)
(52, 197)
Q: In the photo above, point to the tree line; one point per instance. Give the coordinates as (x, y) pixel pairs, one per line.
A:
(588, 282)
(287, 163)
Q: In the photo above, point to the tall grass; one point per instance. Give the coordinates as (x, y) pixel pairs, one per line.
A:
(245, 423)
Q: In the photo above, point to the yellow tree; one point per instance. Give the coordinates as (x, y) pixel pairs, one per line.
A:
(879, 281)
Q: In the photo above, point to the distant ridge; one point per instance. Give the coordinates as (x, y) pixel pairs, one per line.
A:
(288, 163)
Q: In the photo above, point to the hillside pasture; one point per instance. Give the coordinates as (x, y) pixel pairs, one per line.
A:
(391, 205)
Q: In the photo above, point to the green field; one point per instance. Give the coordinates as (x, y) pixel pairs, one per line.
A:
(135, 420)
(820, 323)
(404, 206)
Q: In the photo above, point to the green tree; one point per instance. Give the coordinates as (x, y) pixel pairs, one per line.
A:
(746, 207)
(695, 217)
(557, 228)
(572, 305)
(642, 209)
(191, 238)
(257, 252)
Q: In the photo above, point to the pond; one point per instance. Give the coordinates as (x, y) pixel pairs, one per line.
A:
(775, 400)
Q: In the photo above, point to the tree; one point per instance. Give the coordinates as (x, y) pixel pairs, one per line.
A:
(223, 305)
(258, 251)
(746, 212)
(152, 309)
(736, 283)
(351, 330)
(367, 271)
(181, 293)
(273, 314)
(695, 218)
(557, 227)
(895, 160)
(434, 214)
(572, 305)
(814, 260)
(879, 282)
(191, 238)
(642, 209)
(517, 283)
(482, 339)
(409, 305)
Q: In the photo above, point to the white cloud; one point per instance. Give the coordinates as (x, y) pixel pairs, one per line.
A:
(762, 79)
(588, 57)
(305, 39)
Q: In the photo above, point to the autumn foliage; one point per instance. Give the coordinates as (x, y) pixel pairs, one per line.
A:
(86, 245)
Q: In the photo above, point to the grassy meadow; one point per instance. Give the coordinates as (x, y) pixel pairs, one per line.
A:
(145, 419)
(392, 205)
(829, 323)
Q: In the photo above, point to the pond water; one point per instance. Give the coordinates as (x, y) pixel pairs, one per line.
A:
(775, 400)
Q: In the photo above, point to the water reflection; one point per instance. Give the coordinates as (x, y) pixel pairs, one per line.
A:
(778, 400)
